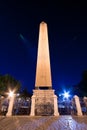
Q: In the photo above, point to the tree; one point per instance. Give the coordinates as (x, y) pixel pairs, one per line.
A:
(82, 85)
(8, 82)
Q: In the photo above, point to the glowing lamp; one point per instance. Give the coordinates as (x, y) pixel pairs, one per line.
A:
(66, 95)
(11, 93)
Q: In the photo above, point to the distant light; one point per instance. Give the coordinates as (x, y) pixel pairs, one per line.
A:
(11, 93)
(59, 95)
(66, 95)
(17, 94)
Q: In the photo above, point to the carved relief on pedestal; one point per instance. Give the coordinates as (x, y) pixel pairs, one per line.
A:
(44, 106)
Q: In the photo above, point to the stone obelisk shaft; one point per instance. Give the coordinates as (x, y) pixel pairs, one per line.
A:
(43, 69)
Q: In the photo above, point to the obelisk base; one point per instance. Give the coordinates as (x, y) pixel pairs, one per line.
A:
(44, 103)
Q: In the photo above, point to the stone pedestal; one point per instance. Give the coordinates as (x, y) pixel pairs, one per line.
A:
(78, 106)
(44, 102)
(10, 108)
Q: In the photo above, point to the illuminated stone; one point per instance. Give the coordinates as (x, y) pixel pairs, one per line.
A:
(44, 101)
(43, 70)
(78, 106)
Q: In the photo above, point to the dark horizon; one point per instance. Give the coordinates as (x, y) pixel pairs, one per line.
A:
(67, 31)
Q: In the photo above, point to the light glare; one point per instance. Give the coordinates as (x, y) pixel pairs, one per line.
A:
(66, 95)
(11, 94)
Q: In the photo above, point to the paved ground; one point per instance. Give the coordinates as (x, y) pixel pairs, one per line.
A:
(43, 123)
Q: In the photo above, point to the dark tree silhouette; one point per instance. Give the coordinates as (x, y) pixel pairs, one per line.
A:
(82, 85)
(8, 82)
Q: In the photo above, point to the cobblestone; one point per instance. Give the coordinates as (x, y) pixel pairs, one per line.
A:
(43, 123)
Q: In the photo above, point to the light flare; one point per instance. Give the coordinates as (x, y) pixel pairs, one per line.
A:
(11, 93)
(66, 94)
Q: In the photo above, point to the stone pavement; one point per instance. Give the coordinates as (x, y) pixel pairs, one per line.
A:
(43, 123)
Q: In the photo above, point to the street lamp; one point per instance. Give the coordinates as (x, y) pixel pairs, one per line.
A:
(11, 93)
(66, 94)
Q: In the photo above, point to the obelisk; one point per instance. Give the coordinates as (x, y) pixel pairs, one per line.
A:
(43, 69)
(44, 101)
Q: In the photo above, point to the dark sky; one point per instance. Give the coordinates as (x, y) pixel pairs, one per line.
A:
(67, 30)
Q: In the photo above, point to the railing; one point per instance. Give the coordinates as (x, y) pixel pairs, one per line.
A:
(22, 106)
(4, 103)
(66, 106)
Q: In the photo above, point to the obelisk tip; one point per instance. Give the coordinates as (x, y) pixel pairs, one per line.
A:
(43, 22)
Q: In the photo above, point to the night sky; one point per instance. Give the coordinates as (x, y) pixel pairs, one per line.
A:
(67, 30)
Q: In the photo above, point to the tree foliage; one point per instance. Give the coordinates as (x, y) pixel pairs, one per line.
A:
(8, 82)
(82, 86)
